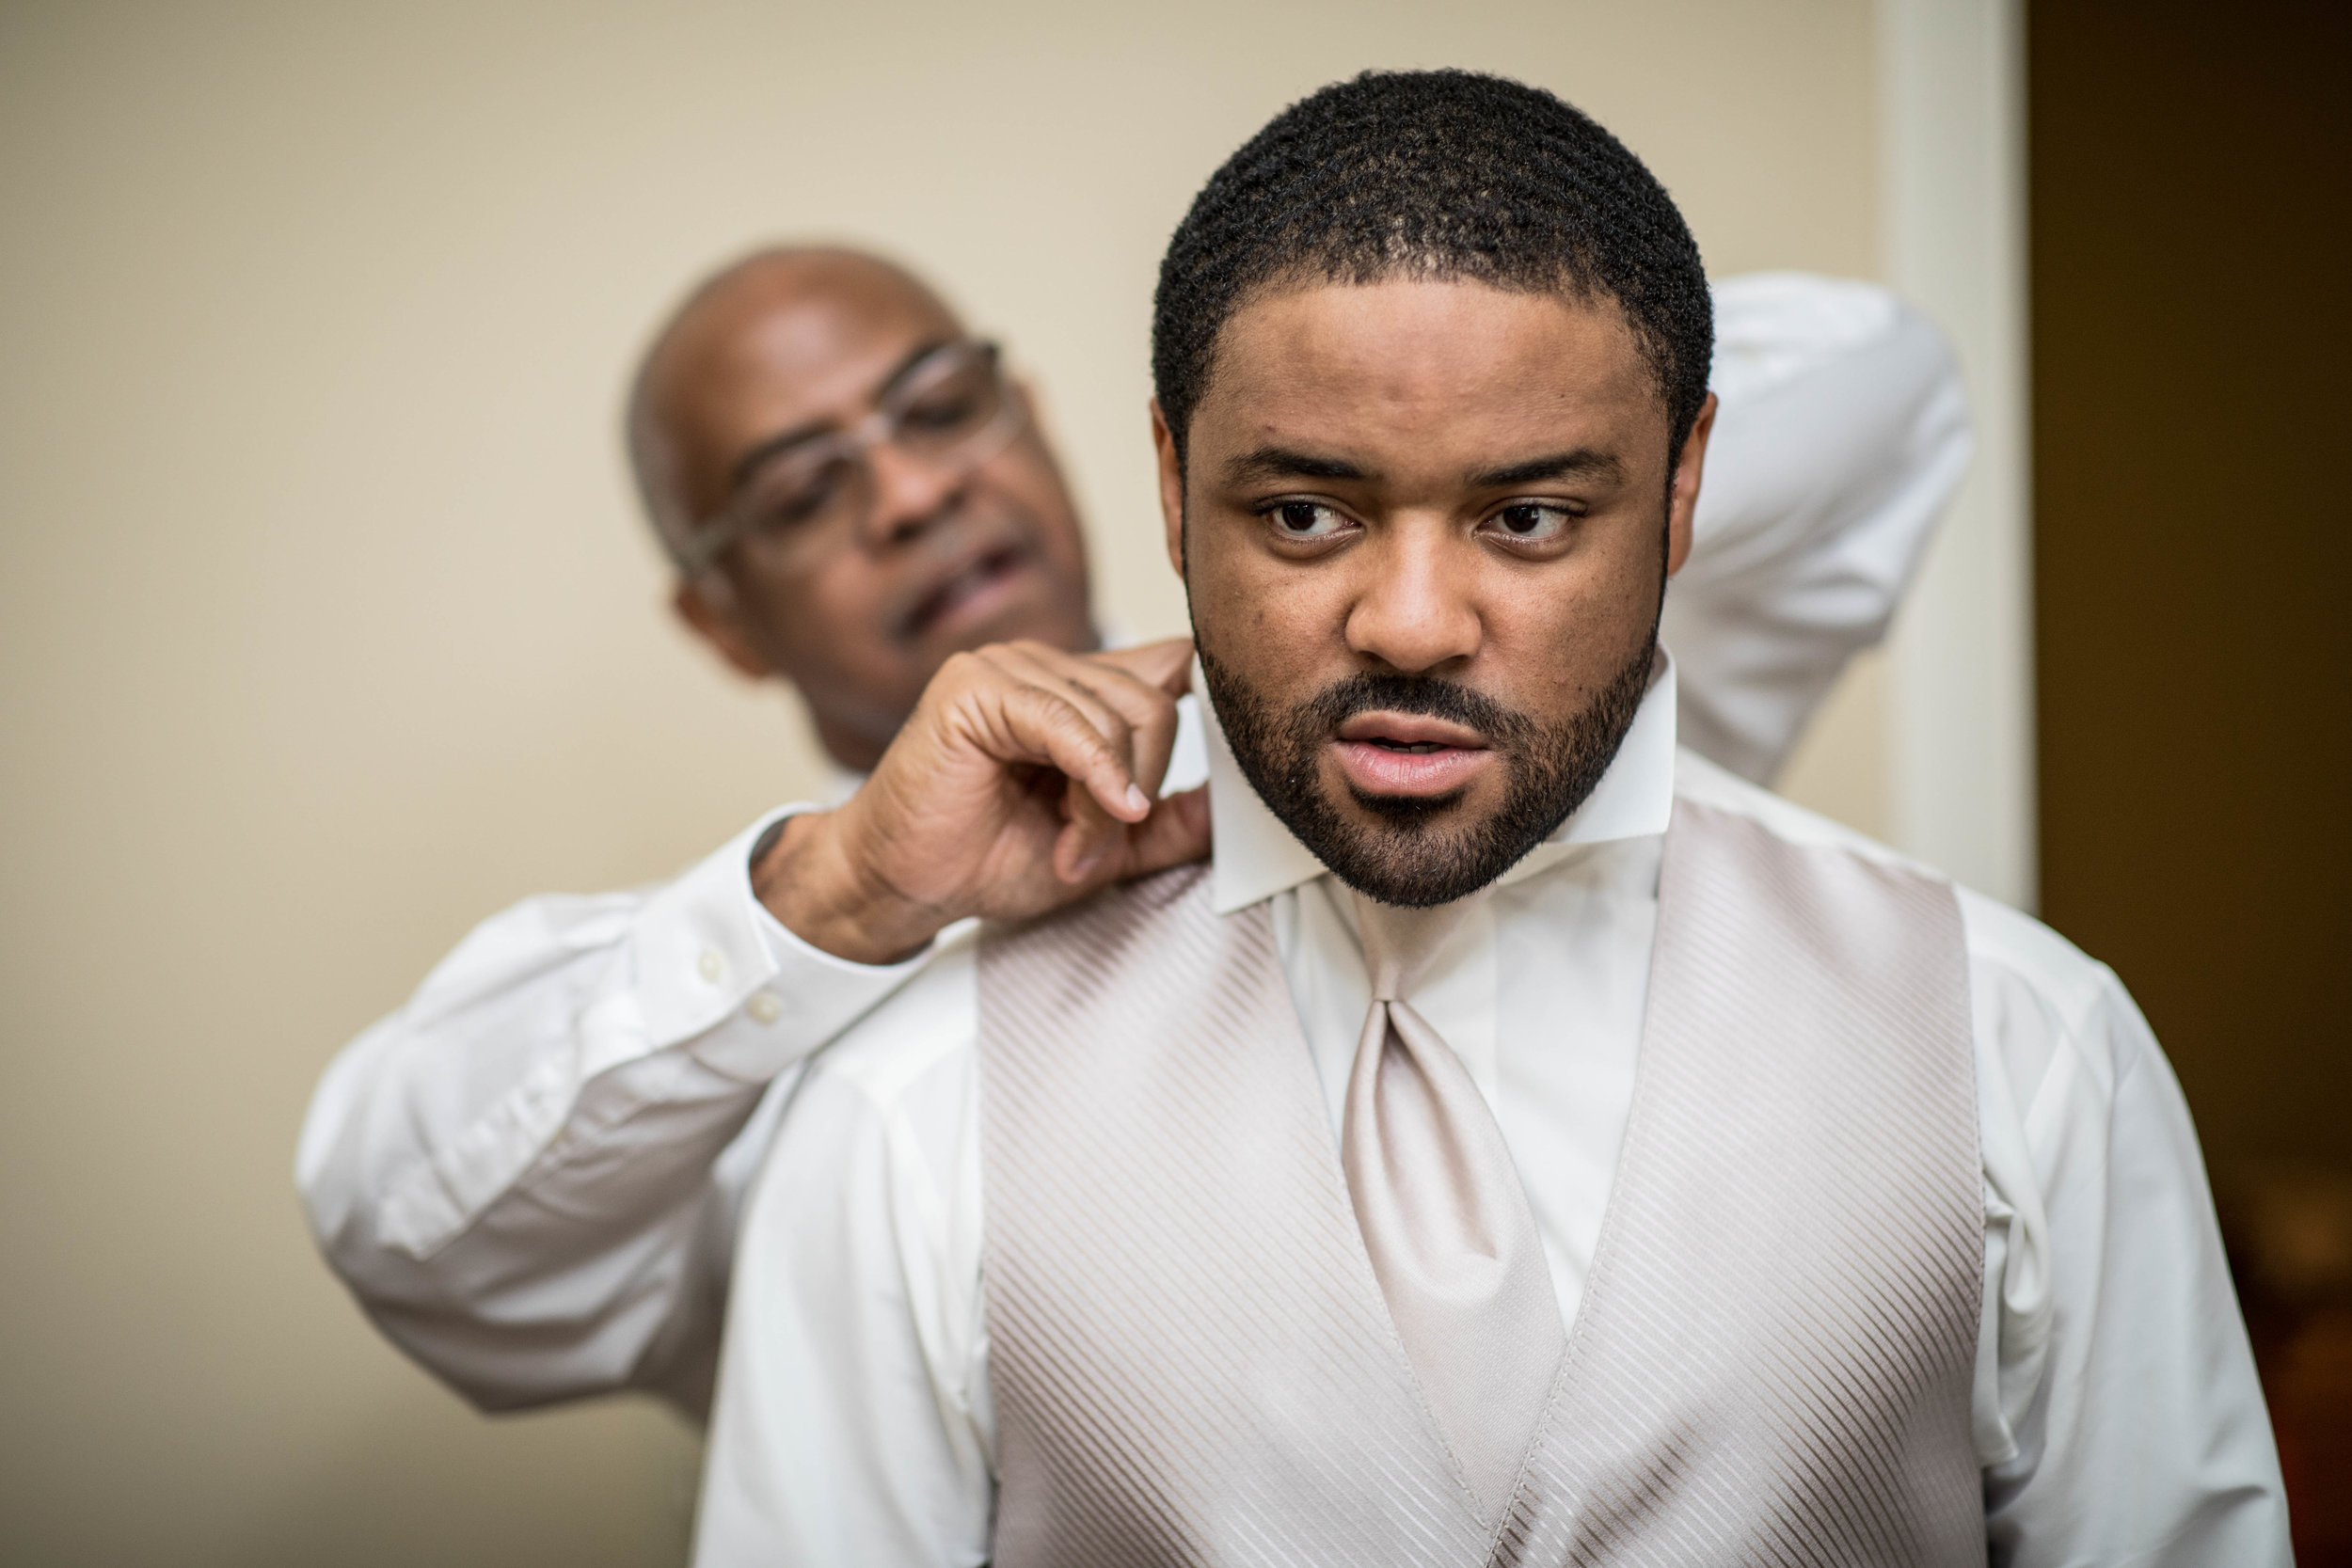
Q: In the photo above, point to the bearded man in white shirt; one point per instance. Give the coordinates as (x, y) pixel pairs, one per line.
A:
(1526, 1142)
(531, 1175)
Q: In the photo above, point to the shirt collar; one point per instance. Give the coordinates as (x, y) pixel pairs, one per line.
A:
(1256, 857)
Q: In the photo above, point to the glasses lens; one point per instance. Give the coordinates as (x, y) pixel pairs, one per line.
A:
(954, 399)
(952, 409)
(803, 497)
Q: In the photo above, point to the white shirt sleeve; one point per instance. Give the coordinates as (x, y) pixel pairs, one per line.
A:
(1841, 432)
(853, 1424)
(525, 1173)
(2120, 1420)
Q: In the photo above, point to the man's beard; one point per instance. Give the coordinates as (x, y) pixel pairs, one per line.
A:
(1411, 858)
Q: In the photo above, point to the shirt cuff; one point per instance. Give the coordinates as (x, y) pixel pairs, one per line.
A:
(717, 973)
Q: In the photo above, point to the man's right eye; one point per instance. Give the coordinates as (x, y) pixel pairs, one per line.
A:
(1306, 519)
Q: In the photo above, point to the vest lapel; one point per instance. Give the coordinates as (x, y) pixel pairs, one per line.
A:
(1772, 1358)
(1191, 1359)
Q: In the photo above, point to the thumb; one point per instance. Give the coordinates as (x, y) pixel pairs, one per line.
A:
(1176, 834)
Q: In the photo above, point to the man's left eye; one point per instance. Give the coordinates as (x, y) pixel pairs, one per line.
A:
(1532, 520)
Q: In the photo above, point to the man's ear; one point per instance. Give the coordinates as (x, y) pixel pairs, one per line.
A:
(1171, 488)
(706, 604)
(1682, 503)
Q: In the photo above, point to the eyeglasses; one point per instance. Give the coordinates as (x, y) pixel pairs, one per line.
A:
(951, 409)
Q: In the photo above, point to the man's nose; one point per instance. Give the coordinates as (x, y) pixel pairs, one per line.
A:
(909, 495)
(1418, 608)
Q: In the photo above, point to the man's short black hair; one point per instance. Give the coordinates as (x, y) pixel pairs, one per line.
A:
(1442, 174)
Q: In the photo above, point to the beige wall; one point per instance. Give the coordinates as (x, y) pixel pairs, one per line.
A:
(328, 628)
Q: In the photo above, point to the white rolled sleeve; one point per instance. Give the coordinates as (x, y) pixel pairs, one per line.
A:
(525, 1174)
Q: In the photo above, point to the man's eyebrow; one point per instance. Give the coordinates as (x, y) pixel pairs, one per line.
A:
(1283, 462)
(784, 440)
(1581, 463)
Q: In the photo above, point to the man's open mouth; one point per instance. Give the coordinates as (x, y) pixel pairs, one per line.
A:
(1389, 754)
(972, 589)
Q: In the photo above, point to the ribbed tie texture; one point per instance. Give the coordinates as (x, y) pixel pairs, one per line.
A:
(1445, 1218)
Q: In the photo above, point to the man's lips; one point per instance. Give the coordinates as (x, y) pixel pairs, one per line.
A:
(971, 587)
(1409, 754)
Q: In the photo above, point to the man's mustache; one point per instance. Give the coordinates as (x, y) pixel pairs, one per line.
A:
(952, 543)
(1426, 696)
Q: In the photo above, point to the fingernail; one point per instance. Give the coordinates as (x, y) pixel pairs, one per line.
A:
(1083, 867)
(1136, 799)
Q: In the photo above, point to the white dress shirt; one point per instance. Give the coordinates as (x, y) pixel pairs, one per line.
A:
(2117, 1414)
(531, 1173)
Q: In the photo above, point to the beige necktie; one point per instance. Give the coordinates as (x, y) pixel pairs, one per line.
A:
(1444, 1217)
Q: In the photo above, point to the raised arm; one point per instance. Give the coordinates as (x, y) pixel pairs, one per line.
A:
(529, 1175)
(1842, 434)
(523, 1173)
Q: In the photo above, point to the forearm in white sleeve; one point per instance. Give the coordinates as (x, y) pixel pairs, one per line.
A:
(1842, 434)
(525, 1173)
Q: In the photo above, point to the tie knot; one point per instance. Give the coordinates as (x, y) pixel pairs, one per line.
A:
(1399, 942)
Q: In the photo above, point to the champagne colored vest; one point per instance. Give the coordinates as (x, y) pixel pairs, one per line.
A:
(1191, 1359)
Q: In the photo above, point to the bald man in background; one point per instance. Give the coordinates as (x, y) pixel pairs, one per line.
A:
(531, 1174)
(967, 535)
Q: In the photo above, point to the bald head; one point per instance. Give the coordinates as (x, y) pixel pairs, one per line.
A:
(778, 315)
(948, 551)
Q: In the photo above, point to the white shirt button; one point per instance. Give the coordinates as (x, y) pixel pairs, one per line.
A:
(764, 1007)
(712, 966)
